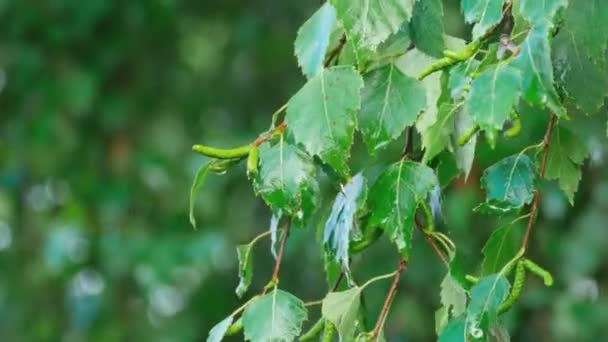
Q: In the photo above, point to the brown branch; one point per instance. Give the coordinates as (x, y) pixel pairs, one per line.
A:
(543, 168)
(277, 265)
(433, 244)
(389, 299)
(333, 54)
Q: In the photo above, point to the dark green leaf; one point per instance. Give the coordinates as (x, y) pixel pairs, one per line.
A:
(460, 78)
(510, 183)
(486, 297)
(313, 40)
(438, 134)
(502, 246)
(427, 27)
(286, 179)
(454, 331)
(322, 115)
(341, 309)
(274, 317)
(245, 255)
(566, 154)
(486, 13)
(396, 195)
(391, 101)
(219, 330)
(493, 95)
(197, 184)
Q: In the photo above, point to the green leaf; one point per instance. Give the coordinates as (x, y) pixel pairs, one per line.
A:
(341, 221)
(245, 256)
(460, 78)
(465, 154)
(322, 115)
(501, 247)
(486, 14)
(341, 309)
(394, 198)
(454, 331)
(486, 297)
(493, 95)
(534, 62)
(566, 154)
(509, 184)
(453, 296)
(541, 13)
(370, 22)
(391, 101)
(438, 135)
(274, 317)
(197, 184)
(582, 74)
(313, 40)
(286, 179)
(427, 27)
(218, 332)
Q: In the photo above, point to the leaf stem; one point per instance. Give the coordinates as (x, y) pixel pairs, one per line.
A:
(375, 279)
(277, 265)
(389, 299)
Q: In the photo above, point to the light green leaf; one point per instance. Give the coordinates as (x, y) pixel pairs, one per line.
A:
(453, 296)
(394, 198)
(534, 62)
(493, 95)
(341, 309)
(438, 135)
(391, 101)
(454, 331)
(218, 332)
(197, 184)
(486, 297)
(541, 13)
(581, 69)
(566, 154)
(370, 22)
(486, 13)
(427, 27)
(509, 184)
(465, 154)
(286, 179)
(322, 115)
(341, 221)
(313, 40)
(460, 78)
(274, 317)
(501, 247)
(245, 256)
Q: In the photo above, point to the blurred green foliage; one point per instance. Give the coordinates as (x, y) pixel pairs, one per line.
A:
(100, 103)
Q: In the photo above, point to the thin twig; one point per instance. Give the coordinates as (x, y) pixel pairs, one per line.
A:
(335, 52)
(431, 242)
(389, 299)
(277, 265)
(543, 169)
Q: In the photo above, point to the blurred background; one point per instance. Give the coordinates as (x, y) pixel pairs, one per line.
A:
(100, 102)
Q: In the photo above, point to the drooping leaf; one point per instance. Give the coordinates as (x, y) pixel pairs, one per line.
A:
(541, 13)
(274, 225)
(341, 309)
(566, 154)
(453, 296)
(218, 332)
(322, 115)
(197, 184)
(581, 73)
(486, 297)
(312, 41)
(245, 256)
(502, 246)
(286, 179)
(391, 101)
(276, 316)
(493, 95)
(509, 184)
(534, 62)
(396, 195)
(485, 13)
(370, 22)
(341, 221)
(464, 154)
(438, 134)
(427, 27)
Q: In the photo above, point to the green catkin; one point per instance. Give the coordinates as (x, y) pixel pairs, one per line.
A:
(314, 331)
(218, 153)
(515, 128)
(539, 271)
(518, 285)
(328, 333)
(252, 161)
